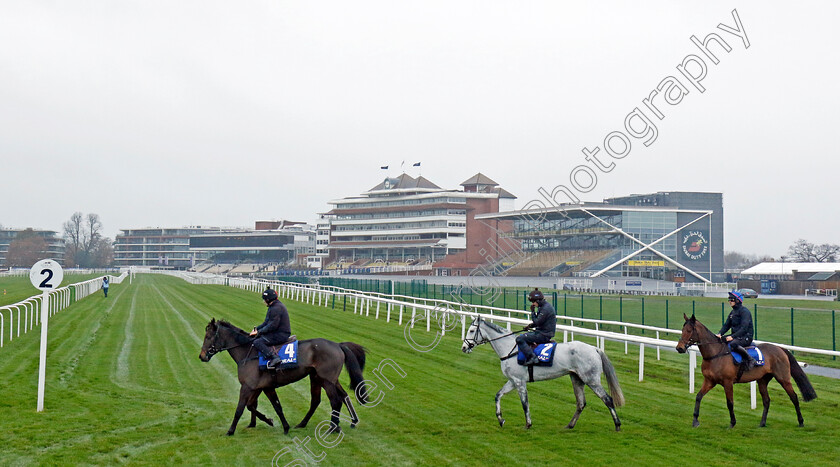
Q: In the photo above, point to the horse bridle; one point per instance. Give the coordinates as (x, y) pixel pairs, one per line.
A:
(692, 341)
(213, 350)
(472, 343)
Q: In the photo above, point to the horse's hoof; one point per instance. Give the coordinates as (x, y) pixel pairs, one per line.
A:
(695, 424)
(618, 428)
(352, 425)
(229, 433)
(300, 425)
(731, 425)
(528, 426)
(569, 426)
(251, 425)
(802, 425)
(286, 430)
(501, 422)
(270, 422)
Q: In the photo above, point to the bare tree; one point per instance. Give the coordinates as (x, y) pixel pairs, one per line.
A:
(736, 260)
(73, 238)
(85, 245)
(93, 229)
(803, 251)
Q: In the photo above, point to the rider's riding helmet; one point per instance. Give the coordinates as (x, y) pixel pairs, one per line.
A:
(737, 296)
(269, 295)
(536, 295)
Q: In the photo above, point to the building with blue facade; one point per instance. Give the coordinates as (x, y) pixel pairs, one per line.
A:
(674, 236)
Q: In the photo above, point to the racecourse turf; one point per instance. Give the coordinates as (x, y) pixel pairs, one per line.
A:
(125, 386)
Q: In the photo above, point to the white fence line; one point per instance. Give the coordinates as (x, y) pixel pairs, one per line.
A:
(362, 301)
(60, 298)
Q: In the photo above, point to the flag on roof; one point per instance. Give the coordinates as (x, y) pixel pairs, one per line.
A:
(416, 164)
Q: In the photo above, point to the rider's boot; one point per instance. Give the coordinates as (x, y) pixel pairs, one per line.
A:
(747, 362)
(531, 358)
(273, 361)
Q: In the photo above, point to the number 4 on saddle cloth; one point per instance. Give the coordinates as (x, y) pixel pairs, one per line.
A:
(288, 352)
(544, 352)
(754, 352)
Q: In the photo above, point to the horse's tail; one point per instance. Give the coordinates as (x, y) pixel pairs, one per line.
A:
(801, 378)
(358, 351)
(354, 359)
(612, 379)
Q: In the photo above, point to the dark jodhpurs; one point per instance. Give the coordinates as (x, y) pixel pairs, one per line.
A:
(262, 345)
(737, 345)
(523, 341)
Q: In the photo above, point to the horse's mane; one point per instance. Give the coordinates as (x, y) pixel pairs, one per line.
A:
(494, 326)
(240, 336)
(702, 328)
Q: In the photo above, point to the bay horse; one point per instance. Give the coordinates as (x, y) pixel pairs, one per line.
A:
(320, 359)
(778, 363)
(582, 362)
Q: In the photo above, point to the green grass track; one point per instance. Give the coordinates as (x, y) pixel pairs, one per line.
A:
(125, 386)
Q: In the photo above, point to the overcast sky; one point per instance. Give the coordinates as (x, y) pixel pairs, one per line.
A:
(173, 113)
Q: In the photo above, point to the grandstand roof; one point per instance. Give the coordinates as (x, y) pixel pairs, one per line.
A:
(504, 193)
(582, 210)
(406, 181)
(780, 268)
(479, 179)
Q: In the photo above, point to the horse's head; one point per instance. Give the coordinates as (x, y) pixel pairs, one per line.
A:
(210, 346)
(689, 335)
(473, 336)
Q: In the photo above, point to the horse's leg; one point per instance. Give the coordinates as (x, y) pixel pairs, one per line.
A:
(793, 398)
(580, 397)
(244, 395)
(508, 387)
(315, 399)
(255, 414)
(522, 388)
(730, 401)
(707, 386)
(275, 402)
(595, 385)
(765, 397)
(335, 403)
(354, 418)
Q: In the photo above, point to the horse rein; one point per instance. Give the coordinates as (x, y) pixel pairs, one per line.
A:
(471, 343)
(213, 350)
(698, 343)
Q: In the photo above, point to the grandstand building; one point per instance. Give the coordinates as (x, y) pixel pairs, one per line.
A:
(407, 221)
(55, 244)
(214, 249)
(272, 246)
(158, 247)
(674, 236)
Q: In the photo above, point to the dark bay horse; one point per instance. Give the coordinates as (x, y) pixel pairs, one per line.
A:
(320, 359)
(719, 368)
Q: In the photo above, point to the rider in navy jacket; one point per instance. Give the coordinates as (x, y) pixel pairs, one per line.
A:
(275, 330)
(544, 325)
(740, 322)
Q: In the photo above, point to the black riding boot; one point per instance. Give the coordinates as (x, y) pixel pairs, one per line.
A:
(747, 362)
(272, 357)
(531, 357)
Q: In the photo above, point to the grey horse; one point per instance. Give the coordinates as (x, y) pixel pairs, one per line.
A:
(582, 362)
